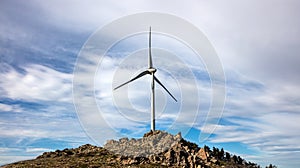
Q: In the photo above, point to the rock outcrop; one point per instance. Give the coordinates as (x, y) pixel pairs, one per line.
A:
(151, 144)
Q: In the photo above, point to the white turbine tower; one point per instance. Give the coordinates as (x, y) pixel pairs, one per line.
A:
(151, 70)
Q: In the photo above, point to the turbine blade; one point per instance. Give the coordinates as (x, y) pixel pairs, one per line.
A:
(138, 76)
(150, 56)
(164, 87)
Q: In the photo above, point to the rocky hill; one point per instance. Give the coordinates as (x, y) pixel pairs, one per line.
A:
(155, 149)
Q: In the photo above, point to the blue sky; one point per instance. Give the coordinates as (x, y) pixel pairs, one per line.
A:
(256, 41)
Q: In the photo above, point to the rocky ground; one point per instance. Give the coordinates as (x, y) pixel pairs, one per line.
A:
(155, 149)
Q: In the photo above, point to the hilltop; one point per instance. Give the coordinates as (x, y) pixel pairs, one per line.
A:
(155, 149)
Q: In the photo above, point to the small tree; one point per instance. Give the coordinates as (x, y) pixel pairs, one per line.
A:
(221, 154)
(215, 152)
(234, 158)
(207, 149)
(239, 160)
(271, 166)
(227, 156)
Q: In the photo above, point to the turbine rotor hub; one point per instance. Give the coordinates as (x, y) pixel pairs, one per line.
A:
(152, 70)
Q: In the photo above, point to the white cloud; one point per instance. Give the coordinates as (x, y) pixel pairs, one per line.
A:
(10, 108)
(80, 16)
(263, 44)
(23, 132)
(36, 83)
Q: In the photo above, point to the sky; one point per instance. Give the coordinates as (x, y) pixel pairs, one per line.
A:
(44, 59)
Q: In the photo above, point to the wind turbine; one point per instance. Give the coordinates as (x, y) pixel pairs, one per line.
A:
(150, 71)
